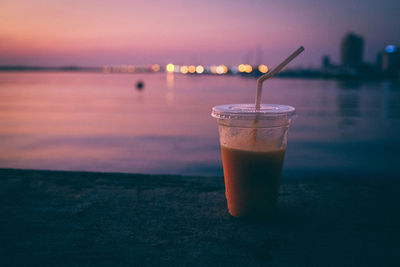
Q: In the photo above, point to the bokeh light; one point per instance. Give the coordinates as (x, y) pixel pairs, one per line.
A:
(248, 68)
(155, 67)
(177, 68)
(219, 70)
(184, 69)
(234, 69)
(242, 68)
(391, 49)
(192, 69)
(170, 67)
(263, 68)
(131, 68)
(199, 69)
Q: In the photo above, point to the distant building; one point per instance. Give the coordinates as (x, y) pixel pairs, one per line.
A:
(390, 60)
(351, 51)
(326, 62)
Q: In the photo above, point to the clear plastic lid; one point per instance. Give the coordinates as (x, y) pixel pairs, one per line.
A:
(248, 111)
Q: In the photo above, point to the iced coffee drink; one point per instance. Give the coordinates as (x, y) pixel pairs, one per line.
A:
(253, 146)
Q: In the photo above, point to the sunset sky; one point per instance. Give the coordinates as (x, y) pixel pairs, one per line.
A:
(98, 32)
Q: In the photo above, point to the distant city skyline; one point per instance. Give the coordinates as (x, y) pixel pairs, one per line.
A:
(95, 33)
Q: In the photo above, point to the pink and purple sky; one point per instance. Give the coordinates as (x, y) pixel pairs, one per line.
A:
(99, 32)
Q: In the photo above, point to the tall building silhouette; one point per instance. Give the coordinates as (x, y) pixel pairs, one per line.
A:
(326, 62)
(390, 59)
(351, 51)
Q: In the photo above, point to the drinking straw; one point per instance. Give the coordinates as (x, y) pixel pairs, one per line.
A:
(272, 73)
(265, 77)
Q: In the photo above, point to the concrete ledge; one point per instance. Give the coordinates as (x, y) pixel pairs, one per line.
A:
(51, 218)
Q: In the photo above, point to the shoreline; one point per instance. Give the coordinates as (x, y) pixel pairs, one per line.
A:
(289, 174)
(289, 74)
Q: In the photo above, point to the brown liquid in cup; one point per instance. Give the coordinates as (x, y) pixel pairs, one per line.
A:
(252, 180)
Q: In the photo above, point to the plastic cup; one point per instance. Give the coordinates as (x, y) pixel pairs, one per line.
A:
(253, 145)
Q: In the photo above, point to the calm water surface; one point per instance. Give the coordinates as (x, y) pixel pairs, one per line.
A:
(101, 122)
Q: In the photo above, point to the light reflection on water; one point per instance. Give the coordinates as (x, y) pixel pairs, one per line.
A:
(100, 122)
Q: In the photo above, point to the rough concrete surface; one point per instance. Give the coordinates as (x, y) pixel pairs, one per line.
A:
(51, 218)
